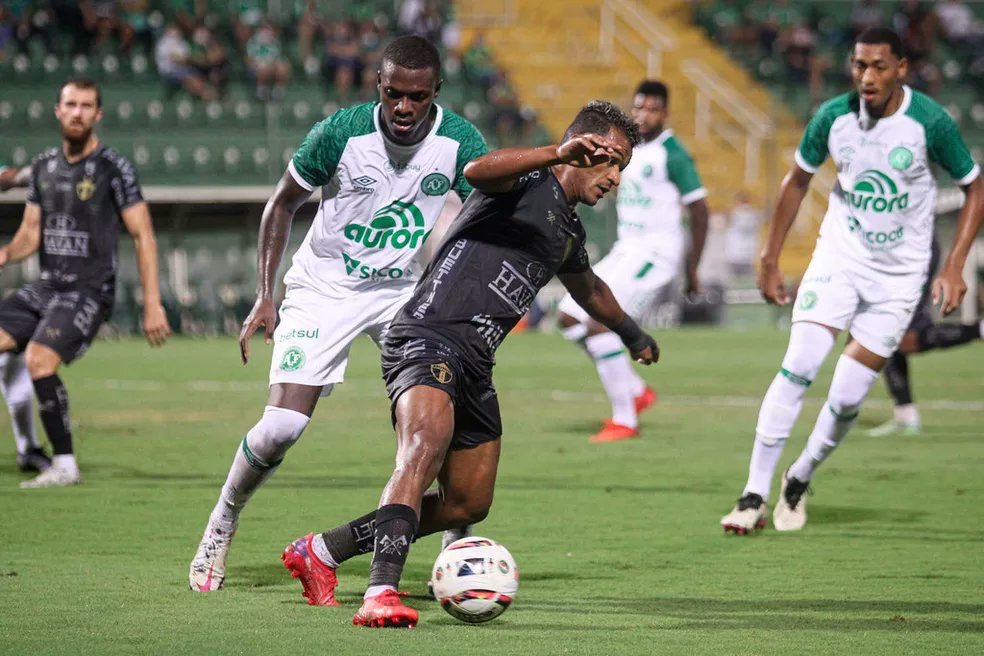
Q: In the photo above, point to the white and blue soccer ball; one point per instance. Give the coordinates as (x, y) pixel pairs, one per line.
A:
(475, 579)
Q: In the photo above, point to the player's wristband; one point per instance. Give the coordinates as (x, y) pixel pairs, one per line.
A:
(631, 334)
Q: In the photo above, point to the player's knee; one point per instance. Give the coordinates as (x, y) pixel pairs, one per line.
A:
(850, 385)
(809, 344)
(41, 361)
(277, 431)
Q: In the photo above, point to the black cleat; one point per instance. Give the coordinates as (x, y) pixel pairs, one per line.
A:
(748, 515)
(34, 460)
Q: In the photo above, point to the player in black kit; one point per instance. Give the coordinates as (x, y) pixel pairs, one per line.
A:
(78, 196)
(514, 233)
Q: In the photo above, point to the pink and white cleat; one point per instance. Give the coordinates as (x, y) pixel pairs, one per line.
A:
(317, 578)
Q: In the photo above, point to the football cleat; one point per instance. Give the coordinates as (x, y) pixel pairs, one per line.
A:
(33, 460)
(895, 427)
(207, 571)
(385, 610)
(646, 399)
(53, 477)
(612, 432)
(790, 511)
(317, 579)
(748, 515)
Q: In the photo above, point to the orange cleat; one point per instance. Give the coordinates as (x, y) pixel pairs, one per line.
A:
(385, 610)
(646, 399)
(319, 580)
(612, 432)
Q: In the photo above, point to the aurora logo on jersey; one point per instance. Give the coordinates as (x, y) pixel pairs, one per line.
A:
(398, 225)
(354, 267)
(876, 192)
(631, 193)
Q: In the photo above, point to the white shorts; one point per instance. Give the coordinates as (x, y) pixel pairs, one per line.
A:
(635, 279)
(312, 341)
(876, 307)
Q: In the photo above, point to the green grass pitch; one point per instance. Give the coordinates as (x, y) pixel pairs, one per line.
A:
(618, 545)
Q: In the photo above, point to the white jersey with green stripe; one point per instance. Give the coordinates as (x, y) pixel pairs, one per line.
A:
(881, 211)
(379, 200)
(660, 179)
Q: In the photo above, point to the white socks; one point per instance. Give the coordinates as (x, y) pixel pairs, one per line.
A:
(809, 344)
(851, 383)
(259, 454)
(65, 462)
(18, 391)
(907, 414)
(621, 383)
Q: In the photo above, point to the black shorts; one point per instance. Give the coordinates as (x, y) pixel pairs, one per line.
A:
(408, 362)
(922, 318)
(65, 321)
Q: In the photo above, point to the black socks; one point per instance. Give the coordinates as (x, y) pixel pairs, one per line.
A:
(53, 408)
(396, 526)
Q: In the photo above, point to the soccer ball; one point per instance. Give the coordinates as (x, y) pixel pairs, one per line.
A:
(475, 579)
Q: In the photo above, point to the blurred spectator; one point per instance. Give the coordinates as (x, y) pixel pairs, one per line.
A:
(103, 15)
(775, 21)
(266, 62)
(866, 13)
(208, 57)
(744, 223)
(478, 63)
(25, 21)
(171, 55)
(135, 26)
(421, 18)
(372, 40)
(247, 15)
(77, 20)
(309, 27)
(957, 21)
(916, 25)
(186, 13)
(798, 46)
(342, 62)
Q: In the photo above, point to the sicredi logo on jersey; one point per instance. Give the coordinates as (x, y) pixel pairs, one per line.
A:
(398, 225)
(876, 192)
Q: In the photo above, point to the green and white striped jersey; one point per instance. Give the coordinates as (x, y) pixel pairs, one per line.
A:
(659, 180)
(881, 211)
(379, 200)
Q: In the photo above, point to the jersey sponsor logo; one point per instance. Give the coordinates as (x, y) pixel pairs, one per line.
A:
(61, 237)
(85, 188)
(441, 373)
(876, 192)
(364, 184)
(900, 158)
(354, 267)
(808, 300)
(435, 184)
(512, 287)
(630, 194)
(292, 360)
(294, 333)
(876, 240)
(398, 225)
(86, 316)
(488, 328)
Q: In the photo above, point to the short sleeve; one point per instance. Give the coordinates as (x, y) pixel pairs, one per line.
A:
(812, 150)
(577, 260)
(33, 194)
(124, 184)
(471, 146)
(314, 163)
(683, 174)
(947, 148)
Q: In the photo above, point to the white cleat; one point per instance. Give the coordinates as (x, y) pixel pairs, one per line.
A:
(53, 477)
(896, 427)
(790, 511)
(748, 515)
(207, 572)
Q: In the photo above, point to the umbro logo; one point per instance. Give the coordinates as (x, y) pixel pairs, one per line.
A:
(364, 183)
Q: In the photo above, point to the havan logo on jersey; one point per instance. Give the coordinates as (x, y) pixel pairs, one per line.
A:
(876, 192)
(398, 225)
(61, 237)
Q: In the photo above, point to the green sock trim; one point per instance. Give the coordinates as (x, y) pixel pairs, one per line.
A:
(613, 354)
(257, 462)
(644, 270)
(793, 378)
(841, 417)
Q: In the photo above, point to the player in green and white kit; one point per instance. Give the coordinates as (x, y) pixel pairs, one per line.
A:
(869, 264)
(656, 185)
(385, 170)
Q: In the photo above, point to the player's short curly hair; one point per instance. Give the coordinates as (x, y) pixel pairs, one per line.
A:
(412, 52)
(601, 116)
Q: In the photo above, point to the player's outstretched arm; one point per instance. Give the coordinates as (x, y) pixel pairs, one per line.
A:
(498, 171)
(593, 294)
(792, 191)
(138, 223)
(27, 238)
(274, 232)
(698, 232)
(12, 176)
(949, 287)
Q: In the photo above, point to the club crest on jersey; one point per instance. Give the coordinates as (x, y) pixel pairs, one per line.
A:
(876, 192)
(441, 373)
(808, 300)
(435, 184)
(85, 188)
(398, 225)
(293, 359)
(900, 158)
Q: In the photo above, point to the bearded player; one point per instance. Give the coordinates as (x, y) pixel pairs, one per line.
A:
(385, 170)
(515, 233)
(659, 182)
(79, 195)
(869, 264)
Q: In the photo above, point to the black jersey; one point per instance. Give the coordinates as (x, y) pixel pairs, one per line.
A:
(81, 211)
(500, 251)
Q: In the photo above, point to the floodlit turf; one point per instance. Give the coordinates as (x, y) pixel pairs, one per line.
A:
(618, 545)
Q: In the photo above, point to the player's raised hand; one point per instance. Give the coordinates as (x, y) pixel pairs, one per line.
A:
(948, 290)
(587, 150)
(155, 326)
(263, 314)
(772, 285)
